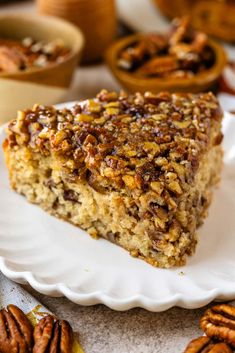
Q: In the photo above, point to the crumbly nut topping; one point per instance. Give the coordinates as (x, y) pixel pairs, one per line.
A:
(139, 143)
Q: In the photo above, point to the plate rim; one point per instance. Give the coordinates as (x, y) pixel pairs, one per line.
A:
(98, 297)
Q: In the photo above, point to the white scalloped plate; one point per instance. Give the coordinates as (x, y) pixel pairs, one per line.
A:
(57, 259)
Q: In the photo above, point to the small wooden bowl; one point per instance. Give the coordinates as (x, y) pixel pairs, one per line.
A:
(96, 19)
(45, 85)
(176, 8)
(200, 82)
(215, 18)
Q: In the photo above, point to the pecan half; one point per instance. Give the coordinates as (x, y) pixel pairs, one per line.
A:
(16, 332)
(53, 336)
(158, 66)
(219, 322)
(206, 345)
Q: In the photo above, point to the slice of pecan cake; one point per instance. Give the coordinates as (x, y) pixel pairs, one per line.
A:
(138, 170)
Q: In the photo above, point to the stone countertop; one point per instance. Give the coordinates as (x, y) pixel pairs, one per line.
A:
(135, 331)
(101, 329)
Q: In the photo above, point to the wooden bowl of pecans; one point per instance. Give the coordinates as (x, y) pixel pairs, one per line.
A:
(182, 60)
(38, 56)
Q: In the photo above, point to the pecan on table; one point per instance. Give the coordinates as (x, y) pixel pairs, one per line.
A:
(16, 332)
(219, 322)
(53, 336)
(206, 345)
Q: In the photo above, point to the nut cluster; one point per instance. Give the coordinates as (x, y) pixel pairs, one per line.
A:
(29, 53)
(17, 335)
(218, 323)
(181, 53)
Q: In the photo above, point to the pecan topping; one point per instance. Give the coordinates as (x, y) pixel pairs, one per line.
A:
(149, 144)
(205, 345)
(16, 332)
(219, 322)
(53, 336)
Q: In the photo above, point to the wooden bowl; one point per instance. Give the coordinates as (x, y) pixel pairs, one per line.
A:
(200, 82)
(46, 85)
(214, 17)
(176, 8)
(96, 19)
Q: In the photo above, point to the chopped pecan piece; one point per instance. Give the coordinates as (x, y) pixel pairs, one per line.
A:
(11, 60)
(159, 66)
(71, 195)
(150, 45)
(16, 332)
(219, 322)
(53, 336)
(206, 345)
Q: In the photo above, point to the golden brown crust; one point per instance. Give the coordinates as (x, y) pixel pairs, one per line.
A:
(124, 141)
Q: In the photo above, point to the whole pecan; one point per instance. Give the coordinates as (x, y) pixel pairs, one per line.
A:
(52, 336)
(219, 322)
(16, 332)
(206, 345)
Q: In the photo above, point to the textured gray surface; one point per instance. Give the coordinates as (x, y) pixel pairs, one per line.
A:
(134, 331)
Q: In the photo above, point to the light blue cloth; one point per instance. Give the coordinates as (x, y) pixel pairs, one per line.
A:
(13, 293)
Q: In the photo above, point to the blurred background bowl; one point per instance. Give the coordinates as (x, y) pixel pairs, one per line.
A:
(96, 19)
(174, 8)
(202, 81)
(46, 85)
(214, 17)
